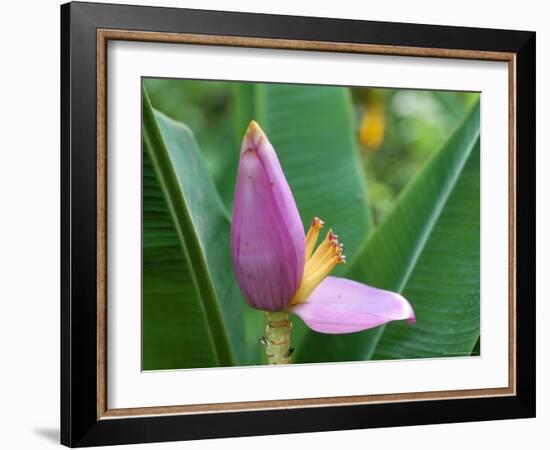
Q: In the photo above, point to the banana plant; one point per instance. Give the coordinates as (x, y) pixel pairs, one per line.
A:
(422, 260)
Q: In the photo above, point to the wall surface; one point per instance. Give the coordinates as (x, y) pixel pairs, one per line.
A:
(29, 224)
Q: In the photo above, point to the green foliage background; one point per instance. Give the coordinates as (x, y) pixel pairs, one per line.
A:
(349, 154)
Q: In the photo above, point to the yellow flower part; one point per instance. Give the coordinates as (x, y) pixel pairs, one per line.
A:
(319, 263)
(371, 131)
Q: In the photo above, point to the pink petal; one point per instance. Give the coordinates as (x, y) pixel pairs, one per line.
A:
(267, 235)
(339, 306)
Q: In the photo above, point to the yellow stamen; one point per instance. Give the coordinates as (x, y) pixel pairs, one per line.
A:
(320, 272)
(319, 263)
(322, 250)
(313, 235)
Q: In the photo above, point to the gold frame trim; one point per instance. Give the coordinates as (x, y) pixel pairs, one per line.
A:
(103, 36)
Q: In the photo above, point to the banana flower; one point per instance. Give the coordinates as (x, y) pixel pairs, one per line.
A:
(281, 270)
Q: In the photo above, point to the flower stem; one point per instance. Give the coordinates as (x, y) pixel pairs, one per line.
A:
(277, 339)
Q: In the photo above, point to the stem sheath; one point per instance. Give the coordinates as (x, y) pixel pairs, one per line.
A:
(277, 338)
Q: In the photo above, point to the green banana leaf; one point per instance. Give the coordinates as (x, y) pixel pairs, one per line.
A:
(477, 348)
(192, 308)
(428, 249)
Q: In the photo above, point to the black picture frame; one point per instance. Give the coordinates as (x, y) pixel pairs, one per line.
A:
(80, 425)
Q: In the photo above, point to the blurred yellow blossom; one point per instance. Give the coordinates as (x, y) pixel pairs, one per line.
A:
(371, 130)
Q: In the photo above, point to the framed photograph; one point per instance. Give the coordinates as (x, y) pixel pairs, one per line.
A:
(276, 224)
